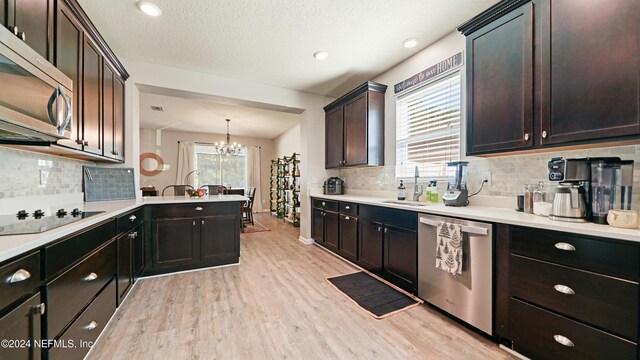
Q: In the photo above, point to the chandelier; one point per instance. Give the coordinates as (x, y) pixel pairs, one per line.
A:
(227, 149)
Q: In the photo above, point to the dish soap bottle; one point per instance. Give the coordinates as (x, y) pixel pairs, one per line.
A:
(432, 191)
(401, 191)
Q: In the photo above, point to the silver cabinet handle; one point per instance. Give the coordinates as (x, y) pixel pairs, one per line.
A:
(565, 246)
(347, 218)
(15, 30)
(564, 289)
(131, 236)
(194, 223)
(40, 308)
(199, 208)
(202, 222)
(385, 230)
(379, 228)
(563, 340)
(132, 218)
(91, 277)
(526, 137)
(544, 134)
(22, 36)
(323, 203)
(92, 325)
(18, 276)
(347, 207)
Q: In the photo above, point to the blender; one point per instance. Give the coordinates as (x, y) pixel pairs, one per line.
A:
(457, 194)
(611, 187)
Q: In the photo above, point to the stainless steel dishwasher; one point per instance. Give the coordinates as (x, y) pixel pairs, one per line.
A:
(469, 295)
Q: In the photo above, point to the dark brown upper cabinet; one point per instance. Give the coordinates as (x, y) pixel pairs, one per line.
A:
(118, 119)
(354, 128)
(68, 59)
(500, 84)
(32, 21)
(91, 98)
(108, 77)
(549, 73)
(589, 66)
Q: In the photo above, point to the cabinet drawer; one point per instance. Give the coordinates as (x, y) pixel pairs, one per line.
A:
(534, 332)
(599, 256)
(191, 210)
(602, 301)
(130, 220)
(325, 204)
(61, 255)
(69, 293)
(20, 278)
(85, 330)
(348, 208)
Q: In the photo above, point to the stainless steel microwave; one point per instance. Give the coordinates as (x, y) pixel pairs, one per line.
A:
(35, 97)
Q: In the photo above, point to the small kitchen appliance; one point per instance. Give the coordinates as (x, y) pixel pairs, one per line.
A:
(334, 186)
(457, 194)
(611, 186)
(571, 196)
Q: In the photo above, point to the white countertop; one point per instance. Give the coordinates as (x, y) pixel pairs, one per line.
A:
(13, 245)
(496, 215)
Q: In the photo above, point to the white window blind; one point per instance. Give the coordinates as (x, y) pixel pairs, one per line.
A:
(428, 128)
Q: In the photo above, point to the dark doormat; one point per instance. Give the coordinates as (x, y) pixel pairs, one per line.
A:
(372, 295)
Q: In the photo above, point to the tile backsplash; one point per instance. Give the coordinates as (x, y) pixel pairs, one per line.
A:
(508, 173)
(21, 172)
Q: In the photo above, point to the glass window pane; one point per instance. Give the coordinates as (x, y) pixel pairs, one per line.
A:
(208, 169)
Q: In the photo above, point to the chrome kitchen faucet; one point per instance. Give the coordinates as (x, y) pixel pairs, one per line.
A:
(417, 189)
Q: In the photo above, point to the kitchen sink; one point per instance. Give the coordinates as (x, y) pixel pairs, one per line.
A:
(405, 202)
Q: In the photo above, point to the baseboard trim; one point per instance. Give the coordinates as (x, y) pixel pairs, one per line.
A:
(306, 241)
(187, 271)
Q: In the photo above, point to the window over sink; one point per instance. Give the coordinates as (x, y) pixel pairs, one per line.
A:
(214, 169)
(428, 128)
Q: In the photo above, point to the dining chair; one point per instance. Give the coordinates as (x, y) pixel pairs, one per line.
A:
(178, 190)
(215, 189)
(247, 206)
(234, 192)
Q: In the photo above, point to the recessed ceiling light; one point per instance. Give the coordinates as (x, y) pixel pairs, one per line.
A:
(320, 55)
(410, 43)
(149, 8)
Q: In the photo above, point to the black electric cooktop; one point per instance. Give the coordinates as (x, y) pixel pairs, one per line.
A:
(38, 221)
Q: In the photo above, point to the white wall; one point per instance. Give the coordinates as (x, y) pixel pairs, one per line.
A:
(311, 121)
(288, 142)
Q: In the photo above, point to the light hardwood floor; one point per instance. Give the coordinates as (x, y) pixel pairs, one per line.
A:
(275, 305)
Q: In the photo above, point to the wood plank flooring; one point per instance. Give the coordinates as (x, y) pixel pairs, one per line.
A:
(275, 305)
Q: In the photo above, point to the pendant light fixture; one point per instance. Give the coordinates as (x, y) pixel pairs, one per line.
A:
(228, 149)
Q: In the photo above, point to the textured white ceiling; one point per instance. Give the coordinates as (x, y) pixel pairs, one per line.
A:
(272, 41)
(186, 112)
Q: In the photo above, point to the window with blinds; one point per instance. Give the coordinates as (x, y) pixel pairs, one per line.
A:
(428, 128)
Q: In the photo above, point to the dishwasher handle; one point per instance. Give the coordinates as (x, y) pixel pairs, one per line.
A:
(463, 228)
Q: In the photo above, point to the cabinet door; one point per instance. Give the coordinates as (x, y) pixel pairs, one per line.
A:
(317, 229)
(34, 19)
(23, 324)
(370, 242)
(175, 242)
(125, 271)
(220, 238)
(107, 110)
(331, 230)
(118, 119)
(589, 69)
(401, 257)
(68, 59)
(334, 135)
(348, 237)
(355, 131)
(138, 251)
(3, 13)
(91, 86)
(500, 84)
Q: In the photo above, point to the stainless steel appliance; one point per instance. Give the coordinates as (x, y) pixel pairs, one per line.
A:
(35, 97)
(611, 187)
(457, 194)
(571, 197)
(469, 295)
(40, 221)
(334, 186)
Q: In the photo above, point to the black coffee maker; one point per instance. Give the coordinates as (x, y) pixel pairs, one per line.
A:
(333, 186)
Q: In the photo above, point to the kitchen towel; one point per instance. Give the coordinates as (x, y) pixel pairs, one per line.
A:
(449, 248)
(106, 183)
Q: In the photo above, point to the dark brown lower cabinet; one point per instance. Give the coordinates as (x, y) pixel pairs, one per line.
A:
(348, 237)
(138, 252)
(125, 266)
(400, 257)
(22, 324)
(331, 230)
(183, 243)
(317, 226)
(370, 247)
